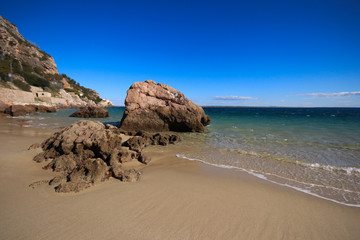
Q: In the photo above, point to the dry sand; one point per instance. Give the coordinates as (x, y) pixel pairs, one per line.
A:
(176, 199)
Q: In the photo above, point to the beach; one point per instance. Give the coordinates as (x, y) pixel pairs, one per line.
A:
(175, 199)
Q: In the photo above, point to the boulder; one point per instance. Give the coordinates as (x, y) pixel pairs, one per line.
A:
(45, 109)
(20, 110)
(91, 112)
(158, 107)
(87, 152)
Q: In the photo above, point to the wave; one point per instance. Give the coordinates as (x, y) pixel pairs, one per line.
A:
(264, 177)
(347, 170)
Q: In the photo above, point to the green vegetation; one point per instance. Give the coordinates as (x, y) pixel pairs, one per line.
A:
(77, 88)
(72, 90)
(4, 84)
(39, 99)
(23, 86)
(27, 67)
(39, 70)
(35, 76)
(4, 70)
(36, 81)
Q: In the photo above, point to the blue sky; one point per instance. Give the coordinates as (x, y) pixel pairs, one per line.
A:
(246, 53)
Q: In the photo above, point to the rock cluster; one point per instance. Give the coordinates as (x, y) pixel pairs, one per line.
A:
(87, 152)
(91, 112)
(159, 107)
(19, 110)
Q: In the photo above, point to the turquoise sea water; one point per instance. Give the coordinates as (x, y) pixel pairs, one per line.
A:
(314, 150)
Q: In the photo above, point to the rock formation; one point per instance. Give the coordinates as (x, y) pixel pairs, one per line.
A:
(91, 112)
(159, 107)
(14, 44)
(19, 110)
(29, 75)
(87, 153)
(105, 103)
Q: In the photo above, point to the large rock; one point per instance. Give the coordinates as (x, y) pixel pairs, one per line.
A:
(159, 107)
(19, 110)
(91, 112)
(86, 153)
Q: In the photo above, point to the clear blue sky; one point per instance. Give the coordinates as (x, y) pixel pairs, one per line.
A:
(246, 53)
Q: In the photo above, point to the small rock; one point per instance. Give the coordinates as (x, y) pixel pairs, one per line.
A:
(91, 112)
(131, 175)
(136, 143)
(34, 146)
(38, 183)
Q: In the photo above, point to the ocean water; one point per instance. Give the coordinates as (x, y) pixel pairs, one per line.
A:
(313, 150)
(61, 118)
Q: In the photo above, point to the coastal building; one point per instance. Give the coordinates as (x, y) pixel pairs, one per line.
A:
(42, 94)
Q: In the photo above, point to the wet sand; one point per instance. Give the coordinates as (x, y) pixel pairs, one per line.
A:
(175, 199)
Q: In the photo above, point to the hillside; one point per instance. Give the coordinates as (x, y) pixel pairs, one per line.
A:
(24, 66)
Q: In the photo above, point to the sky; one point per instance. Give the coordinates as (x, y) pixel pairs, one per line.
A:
(218, 53)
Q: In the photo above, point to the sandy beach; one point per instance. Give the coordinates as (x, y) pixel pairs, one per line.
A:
(175, 199)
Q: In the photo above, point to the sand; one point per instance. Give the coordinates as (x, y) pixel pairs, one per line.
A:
(175, 199)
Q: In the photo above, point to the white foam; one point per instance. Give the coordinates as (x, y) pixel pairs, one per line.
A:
(262, 176)
(348, 170)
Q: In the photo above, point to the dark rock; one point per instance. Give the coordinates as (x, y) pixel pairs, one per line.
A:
(158, 107)
(91, 112)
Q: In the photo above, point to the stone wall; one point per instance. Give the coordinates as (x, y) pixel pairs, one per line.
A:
(11, 96)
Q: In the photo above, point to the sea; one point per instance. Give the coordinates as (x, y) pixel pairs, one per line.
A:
(312, 150)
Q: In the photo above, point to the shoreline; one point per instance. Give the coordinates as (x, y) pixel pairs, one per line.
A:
(263, 177)
(175, 199)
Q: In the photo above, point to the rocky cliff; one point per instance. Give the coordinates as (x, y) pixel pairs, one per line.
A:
(30, 75)
(12, 43)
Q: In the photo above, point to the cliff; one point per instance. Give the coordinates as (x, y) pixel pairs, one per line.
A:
(26, 70)
(13, 44)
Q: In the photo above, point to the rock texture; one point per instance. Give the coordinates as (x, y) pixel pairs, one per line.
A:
(87, 153)
(34, 75)
(105, 103)
(91, 112)
(19, 110)
(14, 44)
(159, 107)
